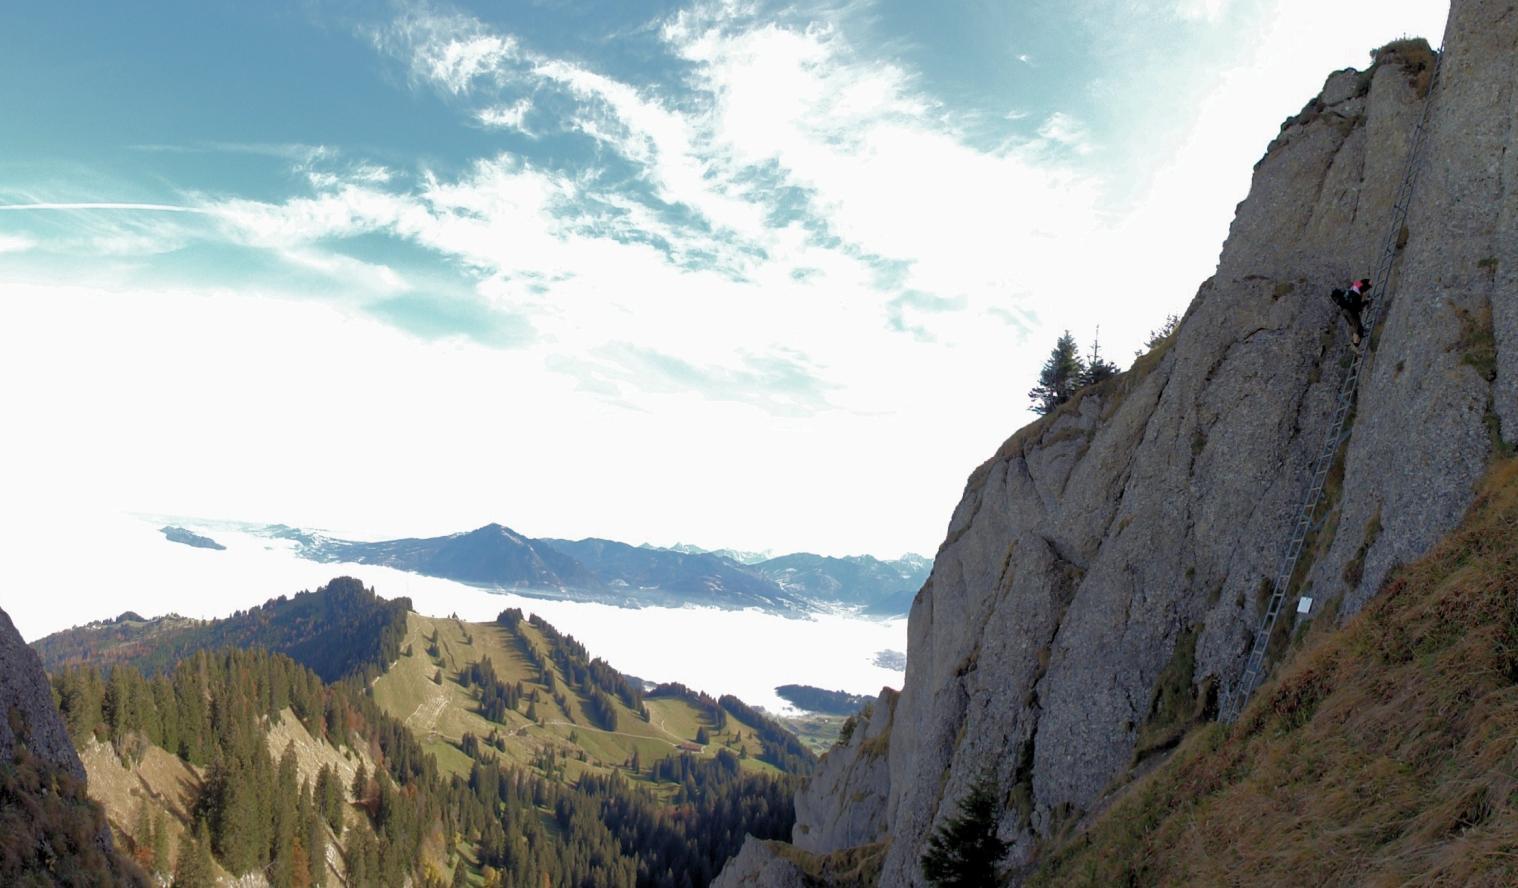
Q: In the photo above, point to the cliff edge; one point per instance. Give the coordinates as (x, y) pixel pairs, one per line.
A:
(1104, 570)
(26, 698)
(50, 831)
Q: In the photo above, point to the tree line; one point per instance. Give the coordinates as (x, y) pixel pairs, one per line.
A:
(1067, 371)
(401, 821)
(213, 710)
(342, 629)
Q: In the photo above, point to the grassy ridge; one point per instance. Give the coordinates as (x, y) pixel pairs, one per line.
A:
(339, 630)
(442, 713)
(1383, 754)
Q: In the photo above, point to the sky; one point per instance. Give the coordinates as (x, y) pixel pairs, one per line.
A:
(768, 277)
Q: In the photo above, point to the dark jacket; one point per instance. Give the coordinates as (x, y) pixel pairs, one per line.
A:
(1351, 301)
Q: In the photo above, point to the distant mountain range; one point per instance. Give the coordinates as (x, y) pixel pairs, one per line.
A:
(610, 572)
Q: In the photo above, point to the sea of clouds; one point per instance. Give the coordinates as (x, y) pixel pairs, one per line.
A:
(118, 563)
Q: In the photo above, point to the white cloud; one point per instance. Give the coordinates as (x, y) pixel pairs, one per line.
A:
(16, 243)
(1201, 10)
(371, 173)
(1066, 131)
(882, 164)
(792, 272)
(447, 49)
(104, 228)
(511, 116)
(100, 205)
(896, 234)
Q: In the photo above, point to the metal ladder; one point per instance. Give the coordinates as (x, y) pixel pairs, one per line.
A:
(1336, 433)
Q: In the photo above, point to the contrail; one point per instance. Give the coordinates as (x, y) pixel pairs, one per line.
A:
(157, 208)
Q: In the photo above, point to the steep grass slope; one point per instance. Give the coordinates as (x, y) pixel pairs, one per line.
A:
(1383, 754)
(162, 785)
(426, 691)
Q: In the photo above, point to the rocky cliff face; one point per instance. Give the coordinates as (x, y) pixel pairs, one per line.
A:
(1103, 571)
(857, 771)
(26, 701)
(50, 831)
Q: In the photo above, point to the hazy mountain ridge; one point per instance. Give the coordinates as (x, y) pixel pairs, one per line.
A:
(862, 580)
(611, 572)
(492, 555)
(662, 576)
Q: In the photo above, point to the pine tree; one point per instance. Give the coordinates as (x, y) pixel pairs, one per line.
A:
(160, 844)
(1062, 374)
(702, 737)
(142, 835)
(285, 810)
(1162, 332)
(965, 850)
(358, 866)
(193, 869)
(329, 798)
(360, 788)
(1097, 370)
(313, 833)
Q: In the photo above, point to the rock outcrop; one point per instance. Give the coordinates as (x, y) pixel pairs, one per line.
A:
(1104, 570)
(51, 833)
(26, 701)
(759, 866)
(857, 771)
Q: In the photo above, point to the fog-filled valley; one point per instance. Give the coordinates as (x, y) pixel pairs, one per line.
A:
(124, 563)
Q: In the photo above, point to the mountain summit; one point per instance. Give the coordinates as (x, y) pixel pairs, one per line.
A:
(607, 571)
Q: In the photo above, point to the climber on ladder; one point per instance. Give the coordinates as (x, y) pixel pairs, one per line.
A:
(1352, 302)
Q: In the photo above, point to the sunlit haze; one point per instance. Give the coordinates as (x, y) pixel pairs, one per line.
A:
(744, 275)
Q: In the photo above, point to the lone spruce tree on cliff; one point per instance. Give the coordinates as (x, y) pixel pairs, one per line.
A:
(1063, 373)
(1097, 368)
(965, 850)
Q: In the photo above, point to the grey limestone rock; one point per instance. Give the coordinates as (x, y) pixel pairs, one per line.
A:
(26, 700)
(1135, 528)
(758, 866)
(844, 803)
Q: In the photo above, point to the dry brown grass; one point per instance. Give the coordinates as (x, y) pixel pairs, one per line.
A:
(1385, 754)
(850, 868)
(1415, 56)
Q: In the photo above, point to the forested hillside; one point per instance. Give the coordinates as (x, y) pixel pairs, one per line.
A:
(339, 630)
(524, 687)
(490, 754)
